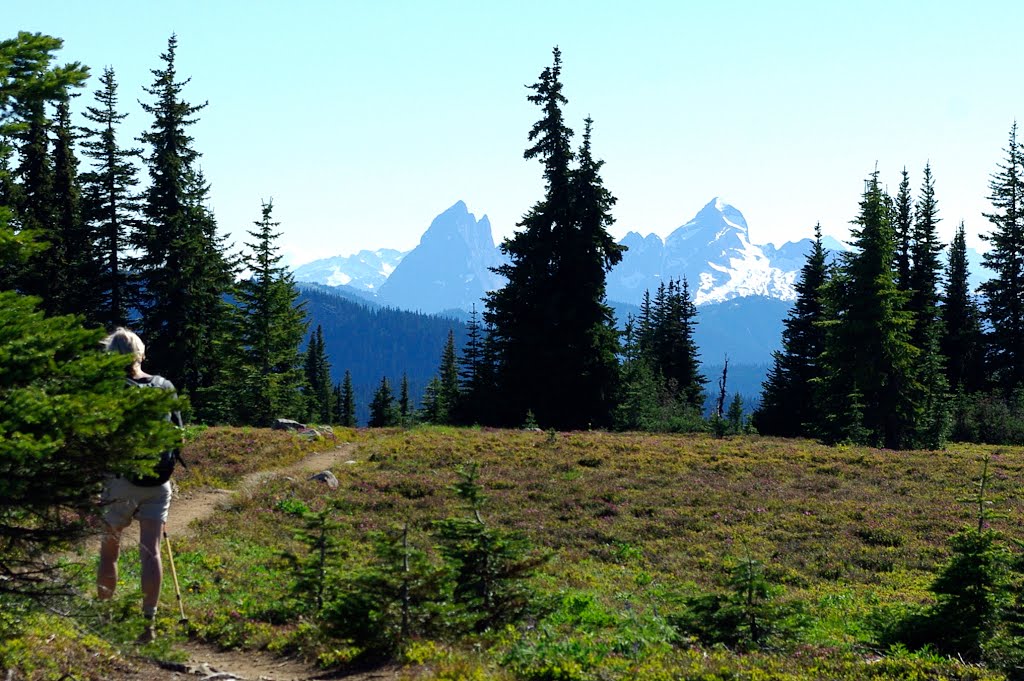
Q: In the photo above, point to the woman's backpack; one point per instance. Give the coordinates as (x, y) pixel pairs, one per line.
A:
(165, 466)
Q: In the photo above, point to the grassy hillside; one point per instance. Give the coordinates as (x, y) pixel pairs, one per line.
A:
(631, 534)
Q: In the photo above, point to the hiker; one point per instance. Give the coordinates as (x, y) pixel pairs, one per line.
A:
(146, 499)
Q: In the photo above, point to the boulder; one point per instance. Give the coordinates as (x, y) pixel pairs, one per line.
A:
(287, 424)
(327, 478)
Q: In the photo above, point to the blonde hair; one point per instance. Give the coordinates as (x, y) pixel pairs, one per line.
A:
(125, 342)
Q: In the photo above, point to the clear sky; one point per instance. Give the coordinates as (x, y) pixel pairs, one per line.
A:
(363, 120)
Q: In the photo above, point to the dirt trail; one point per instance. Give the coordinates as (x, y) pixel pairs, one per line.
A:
(194, 505)
(207, 661)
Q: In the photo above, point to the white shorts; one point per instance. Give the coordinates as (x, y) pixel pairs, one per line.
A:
(123, 501)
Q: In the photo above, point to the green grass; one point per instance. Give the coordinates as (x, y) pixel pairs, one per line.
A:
(634, 524)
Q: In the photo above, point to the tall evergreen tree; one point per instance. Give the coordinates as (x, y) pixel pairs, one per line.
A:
(1003, 294)
(903, 224)
(34, 206)
(110, 201)
(926, 334)
(962, 342)
(382, 407)
(448, 375)
(318, 378)
(590, 354)
(74, 289)
(788, 405)
(868, 387)
(29, 81)
(550, 322)
(347, 408)
(183, 268)
(404, 408)
(271, 328)
(472, 373)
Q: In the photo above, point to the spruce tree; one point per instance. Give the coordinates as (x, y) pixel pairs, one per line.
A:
(591, 349)
(404, 408)
(472, 372)
(788, 405)
(110, 201)
(903, 225)
(962, 342)
(74, 289)
(448, 377)
(183, 270)
(925, 276)
(34, 207)
(271, 328)
(1003, 294)
(868, 385)
(382, 408)
(318, 378)
(550, 324)
(347, 407)
(30, 81)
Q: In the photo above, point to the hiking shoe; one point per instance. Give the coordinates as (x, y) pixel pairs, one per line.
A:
(148, 634)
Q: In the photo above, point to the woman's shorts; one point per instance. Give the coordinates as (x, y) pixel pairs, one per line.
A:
(123, 501)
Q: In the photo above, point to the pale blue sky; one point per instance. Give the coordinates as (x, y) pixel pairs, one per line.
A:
(364, 120)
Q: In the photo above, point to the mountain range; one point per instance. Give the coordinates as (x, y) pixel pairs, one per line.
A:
(450, 269)
(743, 290)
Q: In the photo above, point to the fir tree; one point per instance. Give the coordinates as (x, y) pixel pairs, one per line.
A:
(551, 327)
(347, 406)
(926, 334)
(110, 202)
(382, 408)
(868, 385)
(404, 408)
(448, 379)
(74, 288)
(34, 207)
(962, 343)
(903, 224)
(183, 269)
(1003, 294)
(788, 405)
(272, 325)
(318, 378)
(473, 374)
(30, 80)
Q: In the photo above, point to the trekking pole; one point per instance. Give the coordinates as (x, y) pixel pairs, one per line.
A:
(174, 574)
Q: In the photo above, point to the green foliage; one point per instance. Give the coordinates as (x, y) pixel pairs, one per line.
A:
(345, 403)
(110, 201)
(312, 569)
(382, 409)
(318, 378)
(271, 328)
(962, 342)
(551, 325)
(747, 615)
(788, 404)
(869, 387)
(1003, 294)
(67, 420)
(182, 271)
(398, 596)
(489, 565)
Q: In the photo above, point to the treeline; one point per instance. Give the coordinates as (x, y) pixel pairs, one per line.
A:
(126, 237)
(889, 346)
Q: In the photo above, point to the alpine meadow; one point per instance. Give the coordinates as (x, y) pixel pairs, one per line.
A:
(559, 468)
